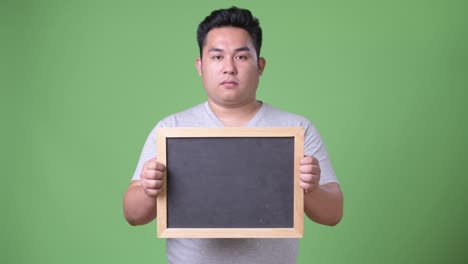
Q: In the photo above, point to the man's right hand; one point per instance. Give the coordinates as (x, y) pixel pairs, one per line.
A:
(152, 177)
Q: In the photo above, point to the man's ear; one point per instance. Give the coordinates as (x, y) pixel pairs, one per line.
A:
(261, 65)
(198, 65)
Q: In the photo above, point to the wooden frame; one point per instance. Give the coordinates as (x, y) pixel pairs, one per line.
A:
(298, 208)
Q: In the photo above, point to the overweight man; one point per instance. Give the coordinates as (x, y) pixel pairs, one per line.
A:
(230, 67)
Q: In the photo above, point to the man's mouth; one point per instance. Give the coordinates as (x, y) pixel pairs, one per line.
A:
(229, 83)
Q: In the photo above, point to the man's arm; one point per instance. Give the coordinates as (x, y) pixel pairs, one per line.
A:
(322, 203)
(325, 204)
(139, 202)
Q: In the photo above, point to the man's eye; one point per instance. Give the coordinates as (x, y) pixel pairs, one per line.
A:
(241, 57)
(217, 57)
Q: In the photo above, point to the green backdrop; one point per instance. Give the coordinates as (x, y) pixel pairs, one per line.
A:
(83, 83)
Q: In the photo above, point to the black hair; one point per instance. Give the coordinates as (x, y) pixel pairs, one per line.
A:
(234, 17)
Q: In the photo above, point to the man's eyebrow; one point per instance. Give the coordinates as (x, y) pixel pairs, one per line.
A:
(215, 50)
(236, 50)
(243, 49)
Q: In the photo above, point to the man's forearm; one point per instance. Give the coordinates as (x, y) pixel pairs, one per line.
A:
(139, 208)
(325, 204)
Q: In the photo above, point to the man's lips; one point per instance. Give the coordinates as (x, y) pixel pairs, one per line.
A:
(229, 83)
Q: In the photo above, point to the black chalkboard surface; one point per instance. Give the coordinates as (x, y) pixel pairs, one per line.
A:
(230, 182)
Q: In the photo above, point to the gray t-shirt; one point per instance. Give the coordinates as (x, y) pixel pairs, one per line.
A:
(229, 251)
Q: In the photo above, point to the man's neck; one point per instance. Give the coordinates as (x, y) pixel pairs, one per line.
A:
(236, 116)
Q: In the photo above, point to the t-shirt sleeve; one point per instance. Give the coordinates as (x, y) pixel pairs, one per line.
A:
(149, 151)
(314, 146)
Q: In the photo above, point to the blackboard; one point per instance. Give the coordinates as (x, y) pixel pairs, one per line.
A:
(230, 182)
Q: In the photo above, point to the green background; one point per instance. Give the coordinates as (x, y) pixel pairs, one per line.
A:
(83, 83)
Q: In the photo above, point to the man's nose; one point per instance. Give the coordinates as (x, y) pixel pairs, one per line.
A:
(229, 67)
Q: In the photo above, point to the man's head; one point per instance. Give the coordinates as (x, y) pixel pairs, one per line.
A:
(229, 62)
(231, 17)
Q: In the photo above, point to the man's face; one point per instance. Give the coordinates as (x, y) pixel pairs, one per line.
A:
(229, 68)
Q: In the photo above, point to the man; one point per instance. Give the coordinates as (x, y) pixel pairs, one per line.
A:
(230, 66)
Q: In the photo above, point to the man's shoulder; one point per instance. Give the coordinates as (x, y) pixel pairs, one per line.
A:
(282, 117)
(187, 117)
(188, 112)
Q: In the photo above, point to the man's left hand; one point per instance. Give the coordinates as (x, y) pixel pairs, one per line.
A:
(309, 169)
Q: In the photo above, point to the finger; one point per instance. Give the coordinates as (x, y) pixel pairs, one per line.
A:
(316, 170)
(306, 168)
(152, 192)
(315, 161)
(153, 184)
(306, 177)
(308, 187)
(305, 186)
(153, 175)
(149, 163)
(160, 167)
(309, 178)
(306, 160)
(154, 165)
